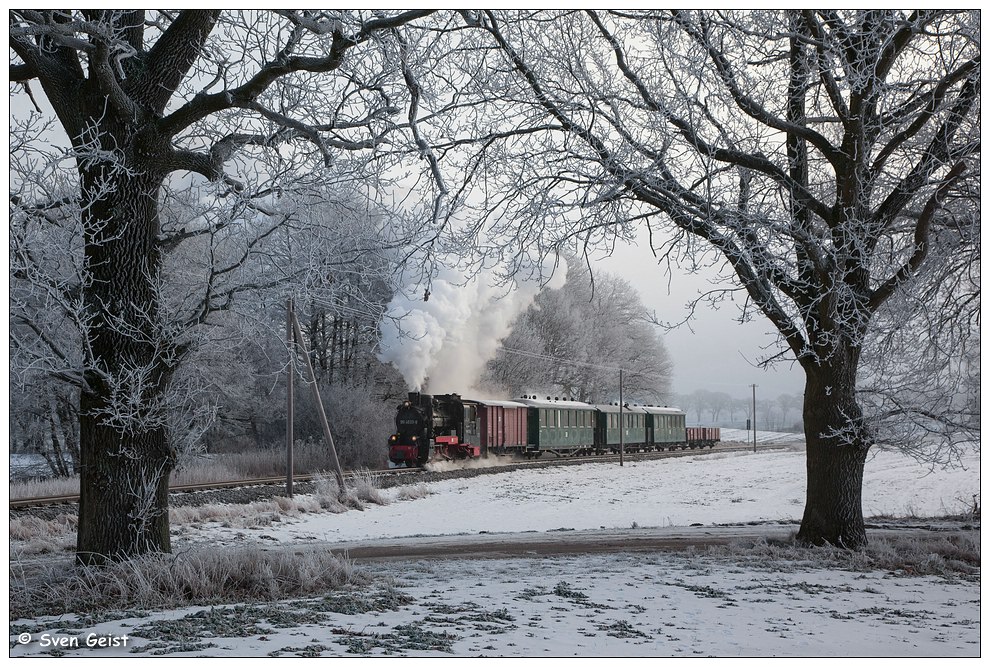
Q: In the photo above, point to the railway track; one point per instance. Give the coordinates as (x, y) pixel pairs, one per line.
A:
(398, 476)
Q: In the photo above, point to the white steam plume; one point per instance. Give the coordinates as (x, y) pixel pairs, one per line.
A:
(448, 339)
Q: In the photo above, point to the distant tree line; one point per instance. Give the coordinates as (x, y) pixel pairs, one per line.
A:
(717, 408)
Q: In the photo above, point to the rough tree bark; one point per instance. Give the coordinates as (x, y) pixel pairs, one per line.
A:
(125, 475)
(836, 457)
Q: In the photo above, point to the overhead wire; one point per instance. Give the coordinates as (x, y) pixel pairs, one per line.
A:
(559, 360)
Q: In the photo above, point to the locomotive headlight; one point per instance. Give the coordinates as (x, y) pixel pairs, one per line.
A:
(414, 438)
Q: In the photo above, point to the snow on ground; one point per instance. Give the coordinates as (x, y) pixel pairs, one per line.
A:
(728, 487)
(627, 604)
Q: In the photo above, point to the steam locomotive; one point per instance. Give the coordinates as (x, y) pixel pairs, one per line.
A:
(450, 427)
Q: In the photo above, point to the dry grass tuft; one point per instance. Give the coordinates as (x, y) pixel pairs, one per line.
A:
(34, 535)
(165, 581)
(362, 488)
(938, 554)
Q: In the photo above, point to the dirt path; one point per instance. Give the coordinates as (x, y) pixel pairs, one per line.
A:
(509, 545)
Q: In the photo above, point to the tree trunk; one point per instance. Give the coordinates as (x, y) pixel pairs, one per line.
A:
(837, 447)
(123, 505)
(125, 452)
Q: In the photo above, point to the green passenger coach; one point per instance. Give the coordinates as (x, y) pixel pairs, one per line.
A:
(629, 423)
(559, 426)
(665, 427)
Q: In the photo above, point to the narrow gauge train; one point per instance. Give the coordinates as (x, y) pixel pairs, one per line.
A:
(450, 427)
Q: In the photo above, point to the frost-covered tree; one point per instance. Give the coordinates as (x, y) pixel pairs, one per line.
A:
(234, 113)
(830, 159)
(571, 340)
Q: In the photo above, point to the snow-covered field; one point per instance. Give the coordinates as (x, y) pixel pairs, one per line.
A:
(620, 604)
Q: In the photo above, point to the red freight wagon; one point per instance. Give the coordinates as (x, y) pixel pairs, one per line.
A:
(702, 436)
(503, 427)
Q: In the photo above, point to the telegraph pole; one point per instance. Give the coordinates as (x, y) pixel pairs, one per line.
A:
(320, 410)
(754, 417)
(291, 339)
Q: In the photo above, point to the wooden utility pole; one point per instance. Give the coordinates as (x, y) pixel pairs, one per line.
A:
(289, 408)
(319, 402)
(754, 418)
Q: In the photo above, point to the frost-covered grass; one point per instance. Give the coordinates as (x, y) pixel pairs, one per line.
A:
(190, 577)
(44, 488)
(205, 469)
(937, 554)
(31, 535)
(194, 576)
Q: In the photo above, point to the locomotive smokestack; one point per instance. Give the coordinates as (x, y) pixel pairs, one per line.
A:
(420, 400)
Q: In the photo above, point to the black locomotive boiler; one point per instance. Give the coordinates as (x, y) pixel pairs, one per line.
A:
(434, 427)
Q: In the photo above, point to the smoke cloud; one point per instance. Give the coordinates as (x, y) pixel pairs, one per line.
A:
(446, 341)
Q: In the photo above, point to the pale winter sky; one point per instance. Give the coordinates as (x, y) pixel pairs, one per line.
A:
(716, 353)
